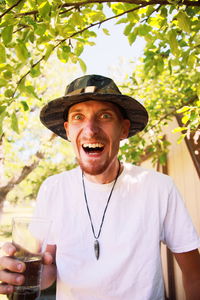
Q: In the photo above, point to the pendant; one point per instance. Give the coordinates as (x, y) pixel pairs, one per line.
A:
(96, 249)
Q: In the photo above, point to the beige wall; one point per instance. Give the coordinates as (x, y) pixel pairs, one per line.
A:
(182, 170)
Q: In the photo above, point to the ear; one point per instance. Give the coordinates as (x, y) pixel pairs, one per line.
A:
(125, 128)
(67, 130)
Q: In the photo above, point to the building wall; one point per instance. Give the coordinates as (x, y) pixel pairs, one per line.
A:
(182, 170)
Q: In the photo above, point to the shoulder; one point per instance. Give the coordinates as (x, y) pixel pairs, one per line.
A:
(147, 176)
(60, 178)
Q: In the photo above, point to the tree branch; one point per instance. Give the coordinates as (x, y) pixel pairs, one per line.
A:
(170, 113)
(26, 170)
(155, 10)
(74, 34)
(10, 8)
(82, 3)
(151, 2)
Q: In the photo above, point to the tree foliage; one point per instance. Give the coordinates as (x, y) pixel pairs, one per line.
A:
(167, 77)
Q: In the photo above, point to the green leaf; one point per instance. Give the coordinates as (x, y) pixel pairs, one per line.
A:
(82, 65)
(35, 71)
(133, 16)
(106, 31)
(14, 123)
(181, 138)
(9, 93)
(122, 20)
(132, 37)
(128, 29)
(31, 37)
(7, 34)
(44, 9)
(29, 89)
(49, 50)
(2, 54)
(179, 129)
(2, 109)
(144, 30)
(3, 82)
(185, 119)
(183, 21)
(96, 16)
(79, 49)
(63, 53)
(25, 105)
(163, 158)
(183, 109)
(2, 116)
(74, 59)
(191, 60)
(41, 28)
(197, 39)
(7, 74)
(173, 43)
(21, 51)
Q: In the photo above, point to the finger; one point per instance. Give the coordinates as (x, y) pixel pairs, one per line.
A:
(11, 264)
(11, 278)
(47, 258)
(8, 249)
(6, 289)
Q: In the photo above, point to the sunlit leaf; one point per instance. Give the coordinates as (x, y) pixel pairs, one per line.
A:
(183, 21)
(3, 82)
(179, 129)
(25, 105)
(44, 9)
(82, 65)
(9, 93)
(106, 31)
(7, 34)
(173, 43)
(14, 123)
(2, 54)
(35, 71)
(2, 116)
(21, 51)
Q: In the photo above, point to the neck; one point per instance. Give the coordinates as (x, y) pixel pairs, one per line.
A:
(108, 175)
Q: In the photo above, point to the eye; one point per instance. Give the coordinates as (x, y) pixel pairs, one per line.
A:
(105, 116)
(77, 117)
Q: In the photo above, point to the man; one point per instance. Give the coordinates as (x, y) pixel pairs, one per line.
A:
(108, 218)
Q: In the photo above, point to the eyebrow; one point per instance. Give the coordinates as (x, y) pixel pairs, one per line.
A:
(101, 110)
(76, 110)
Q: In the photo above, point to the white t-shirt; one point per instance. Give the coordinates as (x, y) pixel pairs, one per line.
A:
(145, 209)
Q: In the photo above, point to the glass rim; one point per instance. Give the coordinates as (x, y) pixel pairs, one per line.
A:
(24, 219)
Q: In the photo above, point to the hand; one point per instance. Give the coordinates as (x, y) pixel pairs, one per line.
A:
(10, 269)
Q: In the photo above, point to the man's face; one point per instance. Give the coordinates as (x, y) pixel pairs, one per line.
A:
(95, 130)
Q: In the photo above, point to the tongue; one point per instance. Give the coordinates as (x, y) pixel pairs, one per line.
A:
(93, 150)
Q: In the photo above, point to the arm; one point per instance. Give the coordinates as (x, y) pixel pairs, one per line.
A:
(189, 262)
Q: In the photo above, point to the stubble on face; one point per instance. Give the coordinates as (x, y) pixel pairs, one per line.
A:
(89, 164)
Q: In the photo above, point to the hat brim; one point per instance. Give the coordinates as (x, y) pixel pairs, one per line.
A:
(53, 115)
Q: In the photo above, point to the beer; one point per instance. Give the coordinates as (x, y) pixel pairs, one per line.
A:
(30, 289)
(25, 294)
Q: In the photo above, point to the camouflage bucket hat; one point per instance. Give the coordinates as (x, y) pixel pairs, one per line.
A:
(97, 88)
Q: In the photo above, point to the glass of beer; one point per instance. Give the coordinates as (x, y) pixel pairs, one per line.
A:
(29, 235)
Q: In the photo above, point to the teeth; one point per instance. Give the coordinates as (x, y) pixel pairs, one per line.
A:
(97, 145)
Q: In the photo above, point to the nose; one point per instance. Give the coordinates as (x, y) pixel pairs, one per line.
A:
(91, 128)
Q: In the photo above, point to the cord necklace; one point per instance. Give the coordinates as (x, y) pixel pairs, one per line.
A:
(96, 236)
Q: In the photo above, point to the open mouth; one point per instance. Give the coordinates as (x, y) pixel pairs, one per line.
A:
(93, 148)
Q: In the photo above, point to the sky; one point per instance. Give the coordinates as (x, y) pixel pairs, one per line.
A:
(112, 54)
